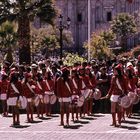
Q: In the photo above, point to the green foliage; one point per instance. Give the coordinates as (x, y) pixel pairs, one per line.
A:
(9, 57)
(108, 36)
(48, 38)
(71, 58)
(99, 45)
(123, 25)
(8, 39)
(12, 9)
(8, 35)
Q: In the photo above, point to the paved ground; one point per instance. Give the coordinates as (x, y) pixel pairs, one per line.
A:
(90, 128)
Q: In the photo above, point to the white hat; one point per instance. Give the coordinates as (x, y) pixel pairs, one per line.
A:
(129, 64)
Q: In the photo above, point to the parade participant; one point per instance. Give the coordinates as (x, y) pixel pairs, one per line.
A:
(92, 82)
(49, 92)
(132, 81)
(5, 67)
(14, 91)
(64, 92)
(118, 88)
(40, 90)
(34, 71)
(29, 87)
(3, 93)
(84, 87)
(21, 70)
(75, 93)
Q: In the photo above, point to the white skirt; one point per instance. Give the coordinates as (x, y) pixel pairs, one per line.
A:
(65, 99)
(12, 101)
(3, 96)
(114, 98)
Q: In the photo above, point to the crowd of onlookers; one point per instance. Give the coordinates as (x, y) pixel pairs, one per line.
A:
(76, 89)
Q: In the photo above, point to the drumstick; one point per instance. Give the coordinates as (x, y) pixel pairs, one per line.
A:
(102, 98)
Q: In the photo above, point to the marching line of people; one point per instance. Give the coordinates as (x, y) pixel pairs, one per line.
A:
(45, 84)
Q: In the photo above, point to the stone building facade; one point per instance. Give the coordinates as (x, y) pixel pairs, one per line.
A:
(102, 12)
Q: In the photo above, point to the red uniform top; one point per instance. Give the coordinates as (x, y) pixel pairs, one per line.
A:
(84, 83)
(27, 92)
(75, 86)
(114, 89)
(132, 83)
(4, 86)
(41, 87)
(93, 82)
(11, 92)
(62, 89)
(51, 85)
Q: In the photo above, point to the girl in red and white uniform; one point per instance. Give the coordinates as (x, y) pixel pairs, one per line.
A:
(29, 91)
(118, 87)
(14, 92)
(132, 81)
(64, 92)
(3, 93)
(85, 88)
(49, 92)
(75, 92)
(40, 90)
(92, 85)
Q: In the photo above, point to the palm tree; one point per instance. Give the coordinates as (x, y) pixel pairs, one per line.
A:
(8, 38)
(22, 11)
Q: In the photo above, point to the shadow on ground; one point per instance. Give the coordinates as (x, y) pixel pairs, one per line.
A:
(20, 126)
(129, 127)
(73, 126)
(82, 122)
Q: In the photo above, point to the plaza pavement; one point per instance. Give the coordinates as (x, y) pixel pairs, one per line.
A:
(94, 127)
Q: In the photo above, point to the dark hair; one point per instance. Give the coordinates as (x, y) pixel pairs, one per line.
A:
(14, 78)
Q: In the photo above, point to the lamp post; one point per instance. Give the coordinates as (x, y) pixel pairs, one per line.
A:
(62, 26)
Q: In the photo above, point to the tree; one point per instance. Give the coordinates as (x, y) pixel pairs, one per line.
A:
(99, 47)
(22, 11)
(8, 39)
(47, 39)
(123, 26)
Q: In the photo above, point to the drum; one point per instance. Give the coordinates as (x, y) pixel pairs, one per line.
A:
(133, 97)
(36, 100)
(23, 102)
(138, 91)
(75, 99)
(80, 101)
(53, 99)
(86, 93)
(125, 101)
(46, 99)
(97, 94)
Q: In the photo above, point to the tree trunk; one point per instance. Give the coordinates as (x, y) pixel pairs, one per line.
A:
(124, 43)
(24, 39)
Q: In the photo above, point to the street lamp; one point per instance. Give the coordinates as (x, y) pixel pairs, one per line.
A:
(62, 26)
